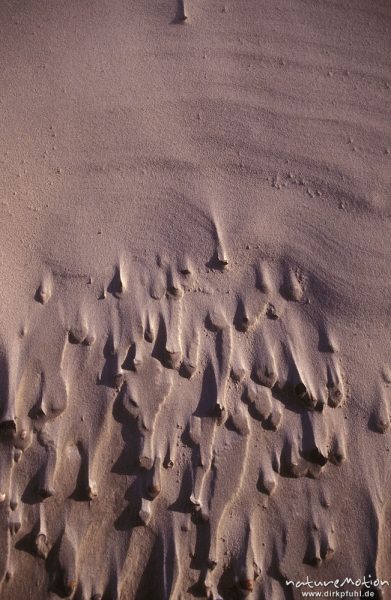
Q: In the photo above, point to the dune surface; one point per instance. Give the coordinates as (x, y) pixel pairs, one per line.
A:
(195, 297)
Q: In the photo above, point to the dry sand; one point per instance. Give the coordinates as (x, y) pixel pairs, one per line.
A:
(195, 297)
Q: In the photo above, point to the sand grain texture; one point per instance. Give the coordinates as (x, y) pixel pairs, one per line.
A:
(195, 297)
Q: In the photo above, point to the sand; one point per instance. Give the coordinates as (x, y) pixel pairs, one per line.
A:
(195, 297)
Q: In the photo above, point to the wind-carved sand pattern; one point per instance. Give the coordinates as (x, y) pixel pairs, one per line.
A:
(195, 285)
(178, 399)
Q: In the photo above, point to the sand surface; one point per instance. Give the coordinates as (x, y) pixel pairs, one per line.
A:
(195, 297)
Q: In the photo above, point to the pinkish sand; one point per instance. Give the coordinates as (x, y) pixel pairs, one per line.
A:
(195, 298)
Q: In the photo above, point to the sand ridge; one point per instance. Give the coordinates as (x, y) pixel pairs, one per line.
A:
(207, 424)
